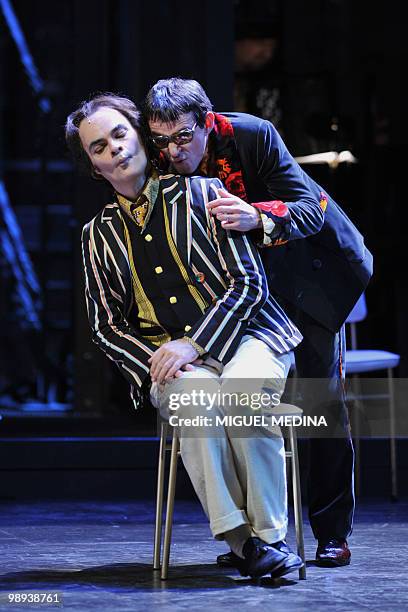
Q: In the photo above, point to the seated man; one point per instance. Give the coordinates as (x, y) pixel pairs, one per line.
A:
(172, 295)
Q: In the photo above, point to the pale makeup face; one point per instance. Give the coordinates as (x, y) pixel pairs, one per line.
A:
(115, 150)
(185, 158)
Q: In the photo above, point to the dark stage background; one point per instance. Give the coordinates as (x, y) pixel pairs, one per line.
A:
(327, 73)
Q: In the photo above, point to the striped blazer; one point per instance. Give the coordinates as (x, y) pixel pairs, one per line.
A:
(235, 291)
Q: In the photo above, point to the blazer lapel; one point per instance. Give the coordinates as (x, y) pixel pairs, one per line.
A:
(176, 207)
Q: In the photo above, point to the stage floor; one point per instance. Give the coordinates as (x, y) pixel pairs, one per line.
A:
(97, 556)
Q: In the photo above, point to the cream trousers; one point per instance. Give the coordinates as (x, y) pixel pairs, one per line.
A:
(238, 473)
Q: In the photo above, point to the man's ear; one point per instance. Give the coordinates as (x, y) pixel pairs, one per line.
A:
(95, 172)
(209, 121)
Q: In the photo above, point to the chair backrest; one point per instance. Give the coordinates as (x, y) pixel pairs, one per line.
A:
(359, 311)
(358, 314)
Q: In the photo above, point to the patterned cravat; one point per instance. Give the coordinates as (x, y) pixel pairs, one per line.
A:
(139, 209)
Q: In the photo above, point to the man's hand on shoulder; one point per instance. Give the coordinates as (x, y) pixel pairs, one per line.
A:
(168, 361)
(234, 213)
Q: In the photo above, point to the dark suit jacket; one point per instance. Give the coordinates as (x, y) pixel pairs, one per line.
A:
(325, 273)
(234, 288)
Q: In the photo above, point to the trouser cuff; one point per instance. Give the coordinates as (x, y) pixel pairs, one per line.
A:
(272, 535)
(225, 523)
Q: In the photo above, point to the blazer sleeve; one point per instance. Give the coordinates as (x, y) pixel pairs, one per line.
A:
(295, 211)
(105, 301)
(220, 329)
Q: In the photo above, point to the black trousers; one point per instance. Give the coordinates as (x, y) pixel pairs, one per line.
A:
(320, 356)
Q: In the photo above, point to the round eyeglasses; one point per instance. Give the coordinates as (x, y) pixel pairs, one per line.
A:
(182, 137)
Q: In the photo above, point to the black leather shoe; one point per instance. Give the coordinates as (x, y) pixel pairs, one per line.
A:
(292, 563)
(229, 559)
(260, 558)
(333, 553)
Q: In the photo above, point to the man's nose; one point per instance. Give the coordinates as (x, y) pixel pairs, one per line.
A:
(115, 148)
(174, 150)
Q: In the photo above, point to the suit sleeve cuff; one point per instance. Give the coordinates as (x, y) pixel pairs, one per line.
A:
(274, 217)
(200, 350)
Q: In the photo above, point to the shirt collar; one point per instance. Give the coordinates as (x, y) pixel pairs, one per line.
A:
(137, 210)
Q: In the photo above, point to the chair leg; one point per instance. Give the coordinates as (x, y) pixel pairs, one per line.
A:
(293, 388)
(159, 498)
(170, 505)
(393, 447)
(297, 501)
